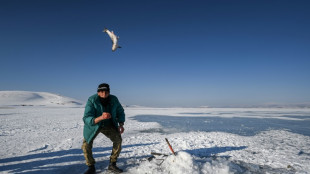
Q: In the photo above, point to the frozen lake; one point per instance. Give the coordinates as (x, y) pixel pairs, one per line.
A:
(246, 126)
(207, 140)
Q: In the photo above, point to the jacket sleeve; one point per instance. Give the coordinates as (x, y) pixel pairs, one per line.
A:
(120, 112)
(89, 114)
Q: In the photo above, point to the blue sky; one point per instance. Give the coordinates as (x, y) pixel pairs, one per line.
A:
(174, 53)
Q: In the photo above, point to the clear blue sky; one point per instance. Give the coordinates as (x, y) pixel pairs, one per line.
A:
(174, 53)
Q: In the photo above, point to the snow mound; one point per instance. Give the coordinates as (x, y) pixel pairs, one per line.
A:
(28, 98)
(182, 163)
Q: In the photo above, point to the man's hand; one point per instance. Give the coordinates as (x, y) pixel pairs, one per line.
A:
(106, 115)
(121, 129)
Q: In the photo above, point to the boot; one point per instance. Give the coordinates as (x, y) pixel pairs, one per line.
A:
(91, 170)
(114, 168)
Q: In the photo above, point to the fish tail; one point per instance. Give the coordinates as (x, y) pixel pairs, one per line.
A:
(105, 29)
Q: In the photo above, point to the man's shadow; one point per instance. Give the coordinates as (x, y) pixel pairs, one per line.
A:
(53, 162)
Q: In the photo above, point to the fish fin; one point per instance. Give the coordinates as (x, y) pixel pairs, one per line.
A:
(119, 47)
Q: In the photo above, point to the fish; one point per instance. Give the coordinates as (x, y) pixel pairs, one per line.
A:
(114, 39)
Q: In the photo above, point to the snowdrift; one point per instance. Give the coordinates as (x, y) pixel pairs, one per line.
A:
(27, 98)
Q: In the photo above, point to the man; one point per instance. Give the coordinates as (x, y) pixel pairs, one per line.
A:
(103, 114)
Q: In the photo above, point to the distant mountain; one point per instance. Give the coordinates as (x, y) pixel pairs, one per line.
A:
(28, 98)
(266, 105)
(133, 106)
(291, 105)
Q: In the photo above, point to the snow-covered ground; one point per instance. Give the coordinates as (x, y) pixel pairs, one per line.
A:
(48, 139)
(36, 139)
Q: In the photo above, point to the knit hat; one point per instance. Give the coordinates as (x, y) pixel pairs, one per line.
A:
(103, 87)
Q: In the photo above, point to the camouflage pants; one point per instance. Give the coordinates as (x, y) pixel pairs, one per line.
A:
(110, 132)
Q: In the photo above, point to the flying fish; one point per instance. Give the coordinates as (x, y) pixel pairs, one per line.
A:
(114, 39)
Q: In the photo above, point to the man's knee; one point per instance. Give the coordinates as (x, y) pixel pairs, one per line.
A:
(86, 146)
(119, 139)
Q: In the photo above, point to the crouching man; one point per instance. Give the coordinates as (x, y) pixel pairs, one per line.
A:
(103, 114)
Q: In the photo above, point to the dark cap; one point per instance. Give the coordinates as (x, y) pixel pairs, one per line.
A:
(103, 87)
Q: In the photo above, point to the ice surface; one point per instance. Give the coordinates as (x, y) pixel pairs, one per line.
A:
(37, 139)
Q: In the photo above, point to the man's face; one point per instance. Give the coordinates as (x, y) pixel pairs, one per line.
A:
(103, 94)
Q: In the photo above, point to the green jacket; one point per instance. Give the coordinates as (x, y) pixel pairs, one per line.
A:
(94, 109)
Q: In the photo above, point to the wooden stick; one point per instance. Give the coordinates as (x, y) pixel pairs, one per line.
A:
(170, 147)
(158, 154)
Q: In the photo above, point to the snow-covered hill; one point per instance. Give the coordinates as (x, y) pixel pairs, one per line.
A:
(28, 98)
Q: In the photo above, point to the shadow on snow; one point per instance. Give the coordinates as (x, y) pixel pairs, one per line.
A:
(52, 162)
(209, 152)
(48, 162)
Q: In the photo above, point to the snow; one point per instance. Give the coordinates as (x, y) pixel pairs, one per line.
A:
(28, 98)
(48, 139)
